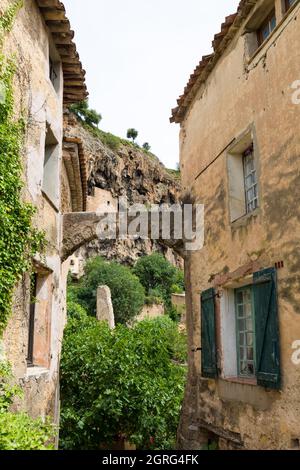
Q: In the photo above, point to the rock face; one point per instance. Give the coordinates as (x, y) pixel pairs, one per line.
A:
(123, 171)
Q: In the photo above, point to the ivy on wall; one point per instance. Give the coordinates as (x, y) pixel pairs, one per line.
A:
(19, 241)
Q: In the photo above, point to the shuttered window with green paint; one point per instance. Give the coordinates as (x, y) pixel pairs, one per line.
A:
(208, 333)
(267, 329)
(257, 331)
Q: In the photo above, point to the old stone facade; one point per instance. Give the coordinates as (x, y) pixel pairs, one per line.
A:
(240, 147)
(49, 77)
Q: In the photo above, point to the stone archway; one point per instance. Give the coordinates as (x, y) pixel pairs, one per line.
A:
(80, 228)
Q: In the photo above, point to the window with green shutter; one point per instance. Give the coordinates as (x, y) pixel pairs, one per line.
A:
(249, 331)
(267, 329)
(208, 335)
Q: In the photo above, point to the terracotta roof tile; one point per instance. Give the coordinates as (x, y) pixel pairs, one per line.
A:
(208, 62)
(54, 14)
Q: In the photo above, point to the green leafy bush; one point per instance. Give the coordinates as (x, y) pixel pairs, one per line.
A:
(158, 274)
(128, 295)
(17, 430)
(154, 297)
(75, 310)
(124, 382)
(20, 432)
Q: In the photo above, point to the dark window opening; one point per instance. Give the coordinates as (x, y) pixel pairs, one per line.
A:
(52, 72)
(31, 325)
(250, 180)
(266, 28)
(289, 4)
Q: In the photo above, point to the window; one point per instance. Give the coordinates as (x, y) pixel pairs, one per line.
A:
(245, 331)
(250, 180)
(242, 179)
(288, 4)
(54, 67)
(240, 339)
(33, 292)
(266, 28)
(51, 167)
(52, 72)
(39, 321)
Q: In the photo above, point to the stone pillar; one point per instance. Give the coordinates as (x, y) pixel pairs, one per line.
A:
(105, 311)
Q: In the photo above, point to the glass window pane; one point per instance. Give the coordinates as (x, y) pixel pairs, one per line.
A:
(242, 339)
(273, 23)
(265, 32)
(245, 331)
(249, 324)
(239, 297)
(249, 339)
(250, 354)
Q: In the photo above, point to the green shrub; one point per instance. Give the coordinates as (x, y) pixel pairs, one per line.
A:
(123, 382)
(75, 311)
(158, 274)
(128, 295)
(154, 297)
(17, 430)
(20, 432)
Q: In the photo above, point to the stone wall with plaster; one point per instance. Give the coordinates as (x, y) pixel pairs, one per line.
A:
(245, 93)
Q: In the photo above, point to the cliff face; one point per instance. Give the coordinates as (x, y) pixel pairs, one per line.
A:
(116, 169)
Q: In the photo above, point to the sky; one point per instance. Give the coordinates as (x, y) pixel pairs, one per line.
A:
(138, 55)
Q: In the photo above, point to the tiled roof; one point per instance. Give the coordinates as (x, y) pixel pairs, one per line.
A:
(54, 14)
(207, 63)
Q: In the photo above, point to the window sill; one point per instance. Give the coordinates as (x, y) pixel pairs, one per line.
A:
(244, 220)
(273, 33)
(49, 200)
(241, 380)
(36, 372)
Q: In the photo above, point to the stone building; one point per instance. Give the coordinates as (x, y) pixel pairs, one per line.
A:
(240, 147)
(49, 78)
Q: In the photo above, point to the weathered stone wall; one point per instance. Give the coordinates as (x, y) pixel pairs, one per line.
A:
(238, 95)
(35, 96)
(151, 311)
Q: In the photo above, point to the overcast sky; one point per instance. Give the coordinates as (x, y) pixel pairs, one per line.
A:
(138, 55)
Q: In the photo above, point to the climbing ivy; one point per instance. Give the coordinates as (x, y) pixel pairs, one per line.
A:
(19, 241)
(7, 19)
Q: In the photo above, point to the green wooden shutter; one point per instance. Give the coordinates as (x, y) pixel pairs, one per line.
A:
(267, 329)
(208, 334)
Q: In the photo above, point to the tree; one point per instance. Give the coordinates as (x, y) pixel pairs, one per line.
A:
(128, 295)
(146, 147)
(132, 134)
(157, 273)
(85, 114)
(128, 382)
